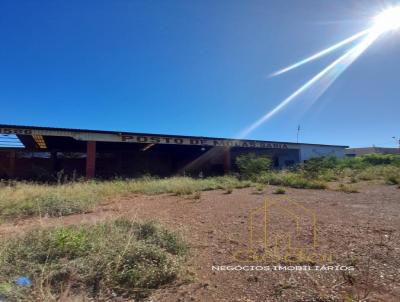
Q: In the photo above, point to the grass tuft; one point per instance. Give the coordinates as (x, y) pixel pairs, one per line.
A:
(347, 188)
(196, 195)
(228, 191)
(118, 258)
(280, 191)
(393, 179)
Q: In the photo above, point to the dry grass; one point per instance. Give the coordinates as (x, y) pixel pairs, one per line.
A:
(291, 179)
(102, 261)
(19, 199)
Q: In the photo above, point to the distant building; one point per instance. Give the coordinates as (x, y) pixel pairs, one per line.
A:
(31, 151)
(351, 152)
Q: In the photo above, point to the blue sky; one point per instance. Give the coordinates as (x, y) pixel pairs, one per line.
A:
(196, 68)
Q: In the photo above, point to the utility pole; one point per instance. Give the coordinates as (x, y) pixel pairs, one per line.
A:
(298, 131)
(397, 139)
(399, 144)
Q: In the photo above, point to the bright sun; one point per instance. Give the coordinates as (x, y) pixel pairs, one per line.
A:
(387, 20)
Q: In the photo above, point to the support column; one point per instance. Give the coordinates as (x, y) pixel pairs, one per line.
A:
(227, 160)
(90, 160)
(11, 172)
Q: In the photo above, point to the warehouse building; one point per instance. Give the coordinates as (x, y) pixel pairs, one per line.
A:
(43, 153)
(353, 152)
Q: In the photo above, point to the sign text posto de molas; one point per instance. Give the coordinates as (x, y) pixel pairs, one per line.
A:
(148, 139)
(200, 141)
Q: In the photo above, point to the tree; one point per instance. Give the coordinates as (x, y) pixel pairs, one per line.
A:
(250, 165)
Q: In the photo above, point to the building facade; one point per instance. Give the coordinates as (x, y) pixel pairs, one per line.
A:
(45, 152)
(352, 152)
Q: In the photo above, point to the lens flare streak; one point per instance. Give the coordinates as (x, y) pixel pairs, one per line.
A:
(324, 79)
(322, 53)
(388, 20)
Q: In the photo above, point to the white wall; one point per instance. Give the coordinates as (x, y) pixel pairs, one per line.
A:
(309, 151)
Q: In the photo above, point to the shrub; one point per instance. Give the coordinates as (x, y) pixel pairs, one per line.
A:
(280, 191)
(314, 166)
(291, 179)
(367, 167)
(361, 162)
(385, 172)
(381, 159)
(317, 165)
(250, 165)
(119, 258)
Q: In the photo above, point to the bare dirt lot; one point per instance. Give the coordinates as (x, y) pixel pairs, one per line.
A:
(359, 230)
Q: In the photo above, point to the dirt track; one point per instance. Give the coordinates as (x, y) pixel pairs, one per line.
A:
(358, 229)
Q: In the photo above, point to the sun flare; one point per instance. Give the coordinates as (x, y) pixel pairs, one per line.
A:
(387, 20)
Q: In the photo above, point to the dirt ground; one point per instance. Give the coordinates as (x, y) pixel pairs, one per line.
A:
(358, 231)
